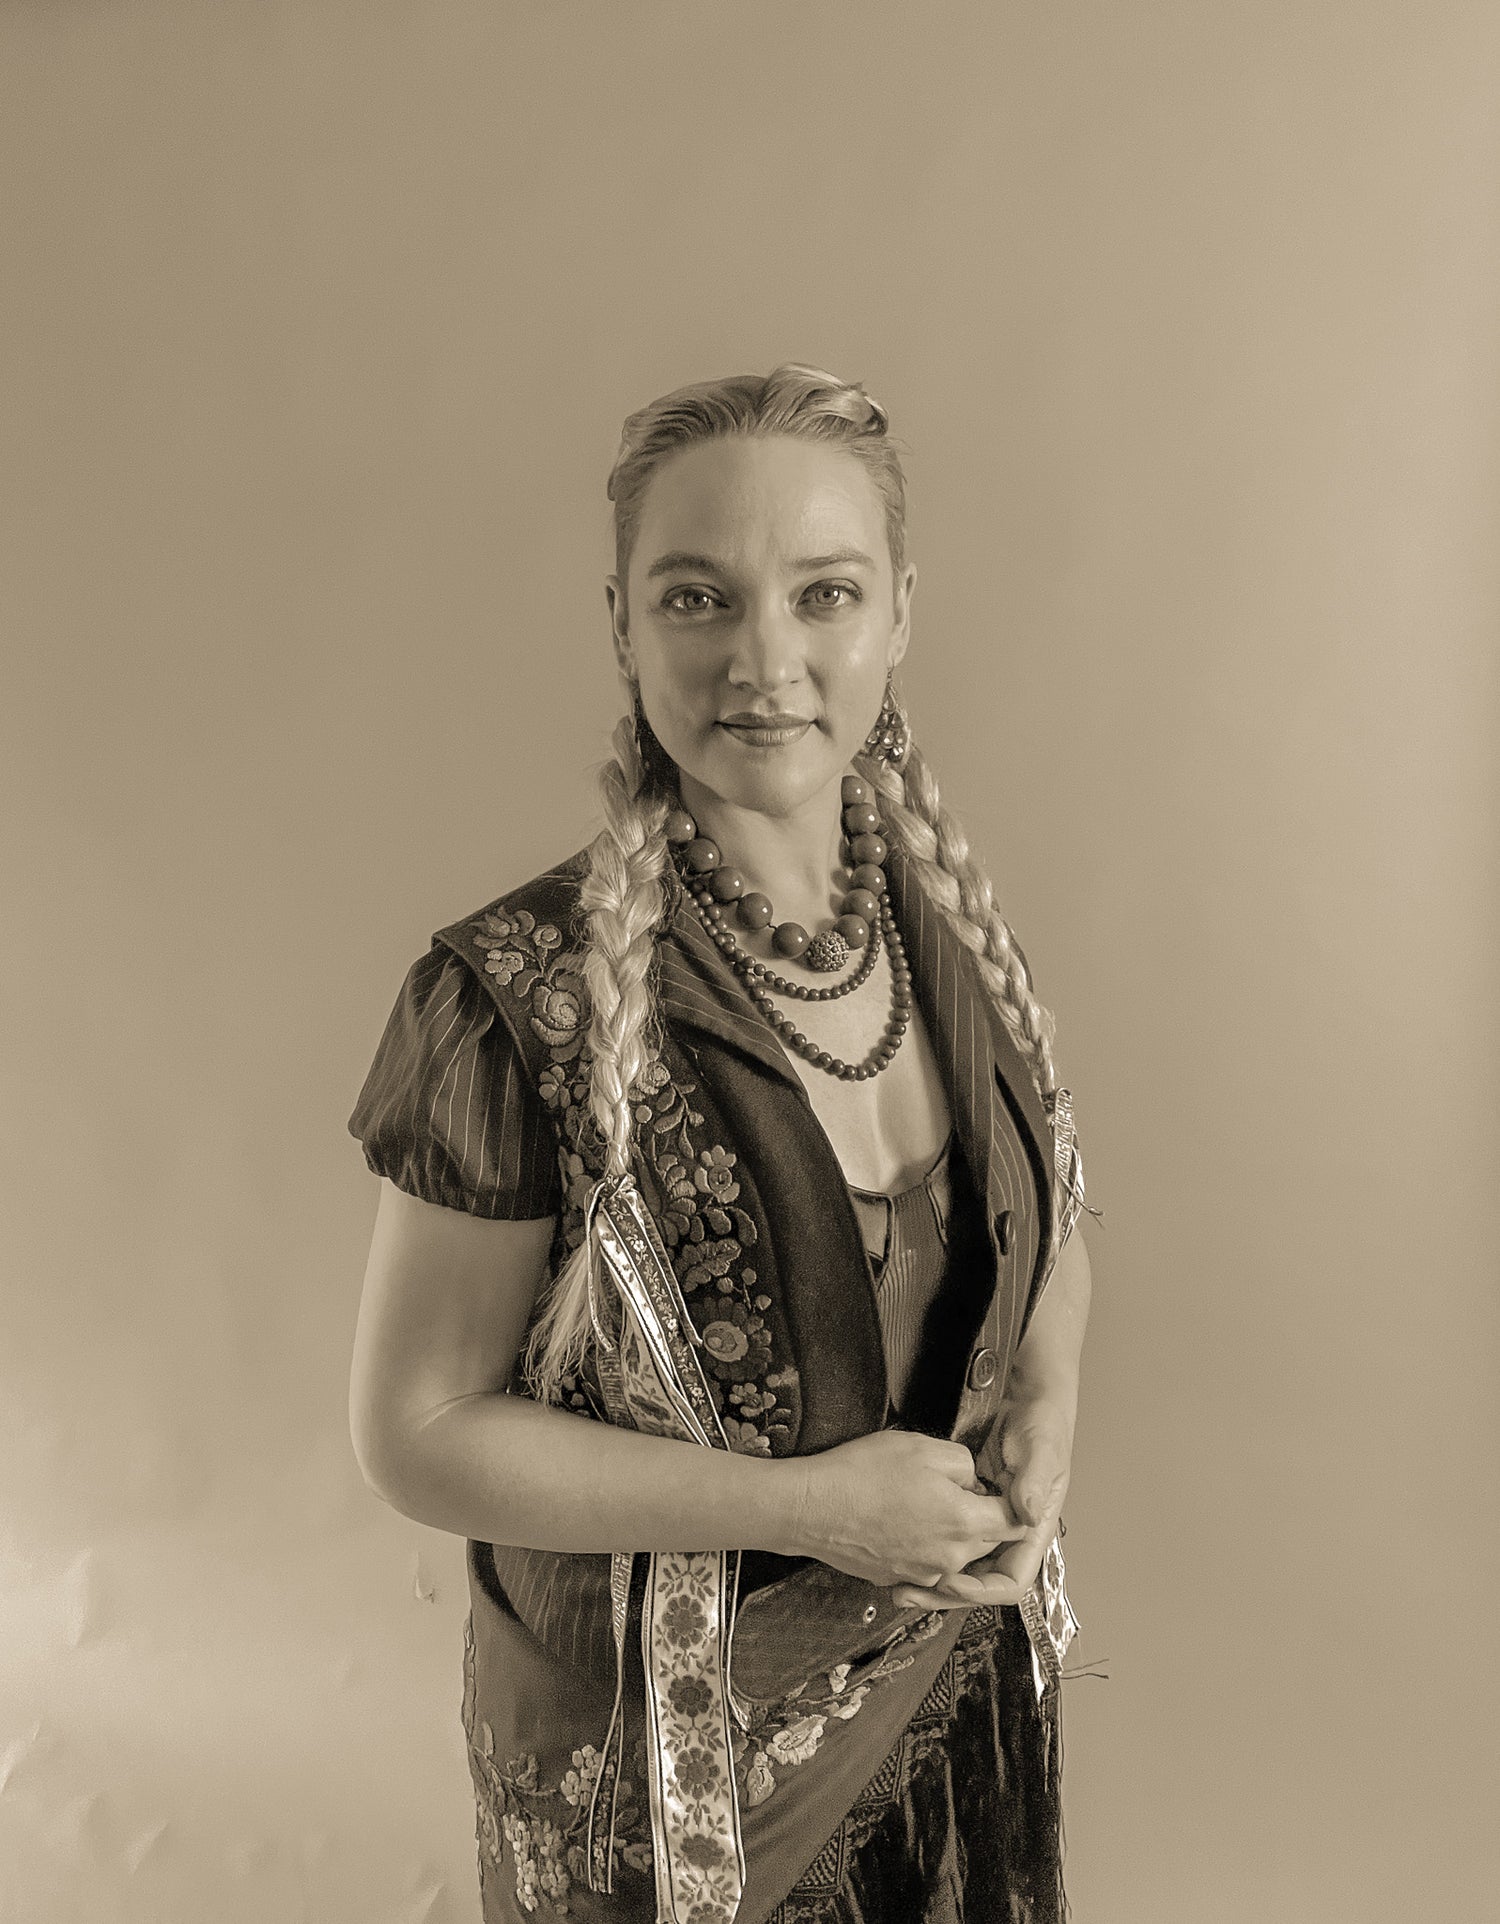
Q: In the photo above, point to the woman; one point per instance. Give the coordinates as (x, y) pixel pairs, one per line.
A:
(722, 1293)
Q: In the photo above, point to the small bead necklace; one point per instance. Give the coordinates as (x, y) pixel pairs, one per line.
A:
(901, 998)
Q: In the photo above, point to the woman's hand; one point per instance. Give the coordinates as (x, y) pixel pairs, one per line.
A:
(1036, 1448)
(898, 1507)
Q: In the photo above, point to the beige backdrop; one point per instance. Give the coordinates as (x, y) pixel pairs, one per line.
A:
(319, 322)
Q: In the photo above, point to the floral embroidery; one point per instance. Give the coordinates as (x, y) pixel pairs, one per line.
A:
(559, 1010)
(735, 1334)
(706, 1234)
(690, 1696)
(515, 947)
(577, 1179)
(682, 1621)
(790, 1732)
(714, 1176)
(544, 1826)
(725, 1342)
(815, 1897)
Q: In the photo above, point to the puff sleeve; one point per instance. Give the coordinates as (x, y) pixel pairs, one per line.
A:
(449, 1111)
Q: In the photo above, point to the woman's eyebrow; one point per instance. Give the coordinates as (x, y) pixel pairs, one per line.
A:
(679, 562)
(839, 558)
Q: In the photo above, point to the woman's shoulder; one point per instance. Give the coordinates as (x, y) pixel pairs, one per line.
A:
(451, 1110)
(524, 951)
(539, 915)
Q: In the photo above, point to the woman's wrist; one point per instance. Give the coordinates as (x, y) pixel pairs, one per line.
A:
(759, 1502)
(1040, 1408)
(1055, 1390)
(792, 1525)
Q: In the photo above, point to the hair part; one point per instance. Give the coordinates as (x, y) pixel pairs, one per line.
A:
(795, 399)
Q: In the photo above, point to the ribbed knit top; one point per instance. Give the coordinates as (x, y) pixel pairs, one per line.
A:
(906, 1235)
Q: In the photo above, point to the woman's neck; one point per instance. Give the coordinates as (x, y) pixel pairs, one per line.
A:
(792, 858)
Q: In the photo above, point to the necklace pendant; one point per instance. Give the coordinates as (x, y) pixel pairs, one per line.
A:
(827, 951)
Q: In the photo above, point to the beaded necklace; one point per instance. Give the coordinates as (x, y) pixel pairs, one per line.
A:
(865, 916)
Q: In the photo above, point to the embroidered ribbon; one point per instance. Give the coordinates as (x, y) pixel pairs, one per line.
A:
(605, 1800)
(1049, 1620)
(1045, 1610)
(652, 1382)
(1069, 1199)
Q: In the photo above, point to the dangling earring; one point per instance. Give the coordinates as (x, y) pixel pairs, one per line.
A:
(890, 739)
(658, 764)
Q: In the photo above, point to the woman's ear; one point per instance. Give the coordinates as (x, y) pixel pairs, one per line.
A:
(614, 595)
(901, 629)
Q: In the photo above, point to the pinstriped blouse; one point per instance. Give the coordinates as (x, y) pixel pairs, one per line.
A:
(449, 1111)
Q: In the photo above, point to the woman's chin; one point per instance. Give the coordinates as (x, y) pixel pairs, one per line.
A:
(775, 786)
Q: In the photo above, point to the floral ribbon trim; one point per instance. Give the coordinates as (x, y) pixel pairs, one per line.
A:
(603, 1810)
(652, 1382)
(652, 1360)
(1045, 1610)
(1048, 1616)
(695, 1826)
(1070, 1199)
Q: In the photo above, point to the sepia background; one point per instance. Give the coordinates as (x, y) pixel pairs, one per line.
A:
(318, 325)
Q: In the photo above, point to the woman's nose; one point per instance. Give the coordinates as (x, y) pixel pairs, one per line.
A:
(770, 650)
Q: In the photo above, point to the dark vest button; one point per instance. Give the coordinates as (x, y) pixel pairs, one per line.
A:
(1005, 1229)
(983, 1369)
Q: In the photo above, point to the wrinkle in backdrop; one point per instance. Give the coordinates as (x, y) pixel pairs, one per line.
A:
(319, 328)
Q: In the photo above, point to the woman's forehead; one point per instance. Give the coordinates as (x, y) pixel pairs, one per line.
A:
(768, 500)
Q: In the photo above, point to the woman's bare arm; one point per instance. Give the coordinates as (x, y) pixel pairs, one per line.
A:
(446, 1301)
(1047, 1363)
(442, 1316)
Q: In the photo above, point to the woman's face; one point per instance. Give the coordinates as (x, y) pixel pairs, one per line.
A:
(760, 616)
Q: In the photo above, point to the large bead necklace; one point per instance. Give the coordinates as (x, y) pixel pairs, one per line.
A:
(759, 975)
(831, 948)
(865, 916)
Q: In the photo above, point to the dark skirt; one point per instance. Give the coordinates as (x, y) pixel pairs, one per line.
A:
(962, 1822)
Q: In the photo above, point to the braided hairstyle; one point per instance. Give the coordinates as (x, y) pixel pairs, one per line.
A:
(622, 895)
(934, 840)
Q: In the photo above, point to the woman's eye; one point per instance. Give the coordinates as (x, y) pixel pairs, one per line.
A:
(690, 601)
(831, 594)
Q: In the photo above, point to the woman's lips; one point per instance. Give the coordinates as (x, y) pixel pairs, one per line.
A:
(770, 731)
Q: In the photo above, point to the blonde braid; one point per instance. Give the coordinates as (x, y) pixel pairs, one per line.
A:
(622, 896)
(935, 841)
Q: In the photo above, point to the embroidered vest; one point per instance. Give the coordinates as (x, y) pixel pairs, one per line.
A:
(749, 1317)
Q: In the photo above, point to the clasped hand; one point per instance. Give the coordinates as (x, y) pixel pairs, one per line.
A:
(910, 1512)
(1036, 1449)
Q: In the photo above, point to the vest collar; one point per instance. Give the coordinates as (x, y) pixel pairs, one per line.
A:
(973, 1045)
(697, 988)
